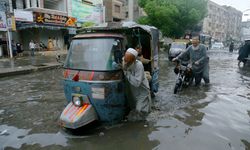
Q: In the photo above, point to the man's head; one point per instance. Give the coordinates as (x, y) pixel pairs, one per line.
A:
(195, 41)
(130, 56)
(138, 48)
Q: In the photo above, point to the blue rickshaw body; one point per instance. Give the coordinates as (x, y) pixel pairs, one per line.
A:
(111, 109)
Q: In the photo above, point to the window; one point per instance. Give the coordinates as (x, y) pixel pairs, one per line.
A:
(117, 9)
(126, 14)
(14, 4)
(94, 54)
(87, 2)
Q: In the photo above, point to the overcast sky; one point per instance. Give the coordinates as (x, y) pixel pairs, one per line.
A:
(241, 5)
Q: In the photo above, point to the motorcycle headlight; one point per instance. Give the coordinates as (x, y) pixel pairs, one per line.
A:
(77, 101)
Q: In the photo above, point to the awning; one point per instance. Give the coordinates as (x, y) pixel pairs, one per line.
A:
(23, 26)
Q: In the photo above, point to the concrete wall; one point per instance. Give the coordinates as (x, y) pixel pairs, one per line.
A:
(108, 10)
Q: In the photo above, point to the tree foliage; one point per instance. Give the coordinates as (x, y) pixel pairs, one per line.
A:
(173, 17)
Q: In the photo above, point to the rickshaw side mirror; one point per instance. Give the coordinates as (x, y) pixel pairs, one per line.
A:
(118, 56)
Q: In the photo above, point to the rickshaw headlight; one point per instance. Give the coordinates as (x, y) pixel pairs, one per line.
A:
(77, 101)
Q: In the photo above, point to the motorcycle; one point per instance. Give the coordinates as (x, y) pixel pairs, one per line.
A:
(184, 76)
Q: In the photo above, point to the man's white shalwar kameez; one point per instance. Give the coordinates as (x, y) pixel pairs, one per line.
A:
(139, 87)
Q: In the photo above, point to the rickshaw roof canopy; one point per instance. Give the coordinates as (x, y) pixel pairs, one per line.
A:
(120, 26)
(98, 35)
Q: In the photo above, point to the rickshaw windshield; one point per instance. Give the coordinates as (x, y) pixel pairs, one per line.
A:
(93, 54)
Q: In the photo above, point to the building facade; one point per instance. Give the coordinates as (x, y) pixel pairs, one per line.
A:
(42, 21)
(115, 10)
(234, 24)
(223, 23)
(133, 10)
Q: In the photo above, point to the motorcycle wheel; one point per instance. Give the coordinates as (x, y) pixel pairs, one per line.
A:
(176, 89)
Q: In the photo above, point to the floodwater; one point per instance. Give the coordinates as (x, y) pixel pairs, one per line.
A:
(213, 117)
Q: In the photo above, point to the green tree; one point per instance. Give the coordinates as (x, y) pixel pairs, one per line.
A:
(173, 17)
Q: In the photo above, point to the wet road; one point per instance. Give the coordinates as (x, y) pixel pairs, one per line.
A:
(199, 118)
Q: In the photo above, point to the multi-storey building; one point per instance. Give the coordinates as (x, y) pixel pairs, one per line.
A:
(233, 24)
(223, 23)
(119, 10)
(215, 23)
(114, 10)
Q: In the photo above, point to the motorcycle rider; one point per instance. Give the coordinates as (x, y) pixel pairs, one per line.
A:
(199, 61)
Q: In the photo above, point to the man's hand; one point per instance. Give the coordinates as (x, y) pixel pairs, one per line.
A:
(174, 59)
(197, 63)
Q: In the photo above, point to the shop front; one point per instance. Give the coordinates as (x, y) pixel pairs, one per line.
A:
(49, 31)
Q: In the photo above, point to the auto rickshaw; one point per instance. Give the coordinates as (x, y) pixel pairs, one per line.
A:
(94, 83)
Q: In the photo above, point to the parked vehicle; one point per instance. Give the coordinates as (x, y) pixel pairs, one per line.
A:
(93, 84)
(184, 76)
(217, 45)
(176, 48)
(206, 40)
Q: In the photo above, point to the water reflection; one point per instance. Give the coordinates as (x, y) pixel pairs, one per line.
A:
(192, 116)
(246, 143)
(13, 137)
(124, 136)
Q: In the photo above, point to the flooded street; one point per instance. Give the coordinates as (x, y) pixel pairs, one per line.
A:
(213, 117)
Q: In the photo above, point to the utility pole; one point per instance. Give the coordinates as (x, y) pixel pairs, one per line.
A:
(8, 30)
(9, 39)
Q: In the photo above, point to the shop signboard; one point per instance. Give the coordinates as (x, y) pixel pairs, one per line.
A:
(3, 24)
(23, 16)
(72, 31)
(87, 13)
(51, 19)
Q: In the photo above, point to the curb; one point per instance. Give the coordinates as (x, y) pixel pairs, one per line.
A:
(46, 53)
(28, 69)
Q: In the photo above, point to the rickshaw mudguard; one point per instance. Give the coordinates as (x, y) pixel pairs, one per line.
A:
(110, 108)
(74, 117)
